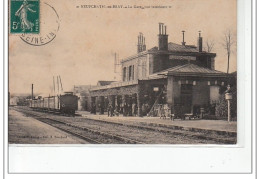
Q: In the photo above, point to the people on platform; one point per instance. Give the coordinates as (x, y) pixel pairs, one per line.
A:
(111, 111)
(129, 106)
(108, 110)
(117, 110)
(125, 110)
(163, 116)
(121, 108)
(134, 109)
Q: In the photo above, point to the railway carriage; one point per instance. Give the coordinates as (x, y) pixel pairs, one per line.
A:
(67, 103)
(53, 103)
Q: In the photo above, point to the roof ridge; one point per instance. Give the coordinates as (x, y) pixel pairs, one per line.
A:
(207, 68)
(175, 67)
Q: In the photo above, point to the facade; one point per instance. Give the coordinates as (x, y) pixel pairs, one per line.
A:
(82, 91)
(180, 78)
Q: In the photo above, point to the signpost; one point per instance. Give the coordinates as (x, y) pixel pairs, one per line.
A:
(228, 97)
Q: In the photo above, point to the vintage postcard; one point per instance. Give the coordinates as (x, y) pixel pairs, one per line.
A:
(133, 73)
(122, 72)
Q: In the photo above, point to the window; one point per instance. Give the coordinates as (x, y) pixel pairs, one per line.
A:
(133, 76)
(124, 74)
(130, 73)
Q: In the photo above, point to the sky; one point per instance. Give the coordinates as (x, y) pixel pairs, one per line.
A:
(83, 51)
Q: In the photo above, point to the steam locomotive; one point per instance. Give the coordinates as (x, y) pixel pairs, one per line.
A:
(65, 104)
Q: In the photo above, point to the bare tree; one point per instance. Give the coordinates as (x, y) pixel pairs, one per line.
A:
(228, 41)
(209, 46)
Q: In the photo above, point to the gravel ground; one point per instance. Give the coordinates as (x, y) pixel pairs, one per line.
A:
(27, 130)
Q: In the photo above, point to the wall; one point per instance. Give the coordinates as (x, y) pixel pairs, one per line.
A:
(173, 92)
(206, 61)
(140, 67)
(200, 93)
(214, 94)
(158, 62)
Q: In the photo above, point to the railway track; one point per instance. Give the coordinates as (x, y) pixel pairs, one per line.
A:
(95, 126)
(216, 136)
(90, 135)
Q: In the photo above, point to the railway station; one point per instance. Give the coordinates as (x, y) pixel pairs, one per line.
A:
(173, 79)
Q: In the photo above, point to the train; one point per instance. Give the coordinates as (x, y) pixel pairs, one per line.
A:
(64, 104)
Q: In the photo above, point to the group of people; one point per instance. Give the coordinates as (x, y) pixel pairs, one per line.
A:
(128, 109)
(163, 111)
(124, 108)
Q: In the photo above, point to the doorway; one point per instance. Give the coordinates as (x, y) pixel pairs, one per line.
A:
(186, 98)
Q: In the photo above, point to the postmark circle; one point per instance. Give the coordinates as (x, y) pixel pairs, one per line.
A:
(49, 27)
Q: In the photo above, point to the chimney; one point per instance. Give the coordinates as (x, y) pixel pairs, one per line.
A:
(141, 43)
(162, 37)
(183, 42)
(144, 46)
(200, 42)
(32, 91)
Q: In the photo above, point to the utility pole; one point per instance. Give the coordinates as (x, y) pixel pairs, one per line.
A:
(32, 91)
(58, 85)
(61, 84)
(53, 86)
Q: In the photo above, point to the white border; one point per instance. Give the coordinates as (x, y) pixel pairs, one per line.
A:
(149, 159)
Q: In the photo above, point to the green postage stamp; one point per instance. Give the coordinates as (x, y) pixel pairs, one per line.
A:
(25, 16)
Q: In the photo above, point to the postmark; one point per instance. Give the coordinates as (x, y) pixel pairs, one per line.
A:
(50, 24)
(25, 16)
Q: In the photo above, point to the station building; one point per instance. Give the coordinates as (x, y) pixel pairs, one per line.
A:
(179, 76)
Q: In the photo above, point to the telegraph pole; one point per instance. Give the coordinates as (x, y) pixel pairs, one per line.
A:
(32, 91)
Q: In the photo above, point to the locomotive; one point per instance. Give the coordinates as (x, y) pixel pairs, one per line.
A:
(65, 104)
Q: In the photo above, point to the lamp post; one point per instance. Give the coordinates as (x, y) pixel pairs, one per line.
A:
(228, 97)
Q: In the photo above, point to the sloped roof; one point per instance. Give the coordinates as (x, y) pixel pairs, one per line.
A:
(173, 47)
(181, 48)
(191, 69)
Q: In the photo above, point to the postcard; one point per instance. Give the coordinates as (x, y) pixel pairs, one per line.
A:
(129, 74)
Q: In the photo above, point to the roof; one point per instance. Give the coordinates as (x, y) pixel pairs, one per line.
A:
(173, 49)
(192, 70)
(181, 48)
(104, 83)
(115, 85)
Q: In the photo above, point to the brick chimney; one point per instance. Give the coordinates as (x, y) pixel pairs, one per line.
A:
(199, 42)
(162, 37)
(141, 43)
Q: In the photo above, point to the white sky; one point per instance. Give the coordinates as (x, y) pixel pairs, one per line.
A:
(82, 52)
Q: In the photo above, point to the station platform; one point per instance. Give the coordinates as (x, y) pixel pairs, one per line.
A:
(219, 126)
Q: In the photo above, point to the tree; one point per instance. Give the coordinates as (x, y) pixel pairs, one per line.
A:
(209, 46)
(228, 41)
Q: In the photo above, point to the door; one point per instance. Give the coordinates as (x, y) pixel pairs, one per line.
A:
(186, 98)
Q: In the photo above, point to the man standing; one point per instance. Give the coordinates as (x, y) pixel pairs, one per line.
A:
(108, 110)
